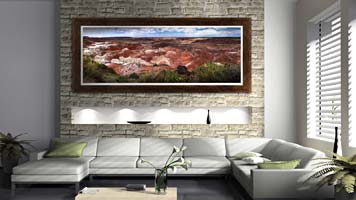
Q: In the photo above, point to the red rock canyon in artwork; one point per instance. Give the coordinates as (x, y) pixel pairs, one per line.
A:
(161, 59)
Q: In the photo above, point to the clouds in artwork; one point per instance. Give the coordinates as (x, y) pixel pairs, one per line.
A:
(176, 31)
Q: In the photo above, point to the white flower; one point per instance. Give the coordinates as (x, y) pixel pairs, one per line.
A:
(176, 149)
(188, 162)
(142, 161)
(181, 160)
(174, 169)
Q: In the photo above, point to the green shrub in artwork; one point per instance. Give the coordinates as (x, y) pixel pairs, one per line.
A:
(134, 76)
(232, 73)
(206, 73)
(99, 73)
(147, 77)
(213, 72)
(164, 76)
(170, 76)
(122, 79)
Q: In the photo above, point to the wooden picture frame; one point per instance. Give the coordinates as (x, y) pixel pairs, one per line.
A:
(79, 25)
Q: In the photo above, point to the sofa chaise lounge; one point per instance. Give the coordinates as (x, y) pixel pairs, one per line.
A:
(209, 156)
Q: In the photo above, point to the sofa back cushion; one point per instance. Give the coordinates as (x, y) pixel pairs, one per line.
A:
(270, 148)
(238, 145)
(119, 147)
(204, 147)
(306, 155)
(159, 146)
(279, 150)
(283, 152)
(89, 150)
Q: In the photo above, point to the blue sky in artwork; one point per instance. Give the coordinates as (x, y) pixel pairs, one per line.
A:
(177, 31)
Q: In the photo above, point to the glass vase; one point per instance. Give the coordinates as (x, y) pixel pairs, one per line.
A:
(160, 181)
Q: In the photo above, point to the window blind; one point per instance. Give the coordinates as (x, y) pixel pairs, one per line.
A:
(324, 77)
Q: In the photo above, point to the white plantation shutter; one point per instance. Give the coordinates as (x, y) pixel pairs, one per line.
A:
(324, 76)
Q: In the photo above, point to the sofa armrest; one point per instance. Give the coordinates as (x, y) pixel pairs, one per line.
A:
(37, 155)
(277, 183)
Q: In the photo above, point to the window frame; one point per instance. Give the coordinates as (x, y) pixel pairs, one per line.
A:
(316, 37)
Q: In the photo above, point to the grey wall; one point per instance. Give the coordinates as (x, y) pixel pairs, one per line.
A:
(27, 69)
(279, 64)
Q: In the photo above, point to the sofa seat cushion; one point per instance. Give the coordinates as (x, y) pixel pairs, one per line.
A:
(108, 162)
(157, 161)
(242, 173)
(209, 162)
(54, 166)
(243, 170)
(246, 167)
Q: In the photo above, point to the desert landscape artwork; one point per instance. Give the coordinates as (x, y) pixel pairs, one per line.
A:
(120, 55)
(161, 55)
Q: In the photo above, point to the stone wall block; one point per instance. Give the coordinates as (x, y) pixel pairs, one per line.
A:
(162, 8)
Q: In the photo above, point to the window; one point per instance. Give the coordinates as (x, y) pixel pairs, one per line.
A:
(324, 74)
(352, 81)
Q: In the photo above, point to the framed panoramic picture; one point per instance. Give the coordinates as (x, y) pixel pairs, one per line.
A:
(161, 55)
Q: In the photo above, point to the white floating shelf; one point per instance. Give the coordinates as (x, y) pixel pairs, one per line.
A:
(160, 115)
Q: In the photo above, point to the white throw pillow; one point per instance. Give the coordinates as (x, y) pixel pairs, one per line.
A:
(241, 155)
(253, 160)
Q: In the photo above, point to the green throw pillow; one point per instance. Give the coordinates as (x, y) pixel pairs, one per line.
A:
(66, 149)
(279, 164)
(242, 155)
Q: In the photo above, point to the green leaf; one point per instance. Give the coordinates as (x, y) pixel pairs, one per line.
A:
(340, 157)
(2, 135)
(323, 165)
(323, 181)
(339, 175)
(339, 171)
(338, 187)
(19, 135)
(12, 147)
(323, 172)
(353, 158)
(348, 181)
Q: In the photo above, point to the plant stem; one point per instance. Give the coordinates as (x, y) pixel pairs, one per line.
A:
(165, 164)
(150, 164)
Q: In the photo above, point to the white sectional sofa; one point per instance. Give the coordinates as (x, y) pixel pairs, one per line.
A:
(209, 156)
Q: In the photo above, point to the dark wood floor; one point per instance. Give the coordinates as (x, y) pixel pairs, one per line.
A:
(192, 188)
